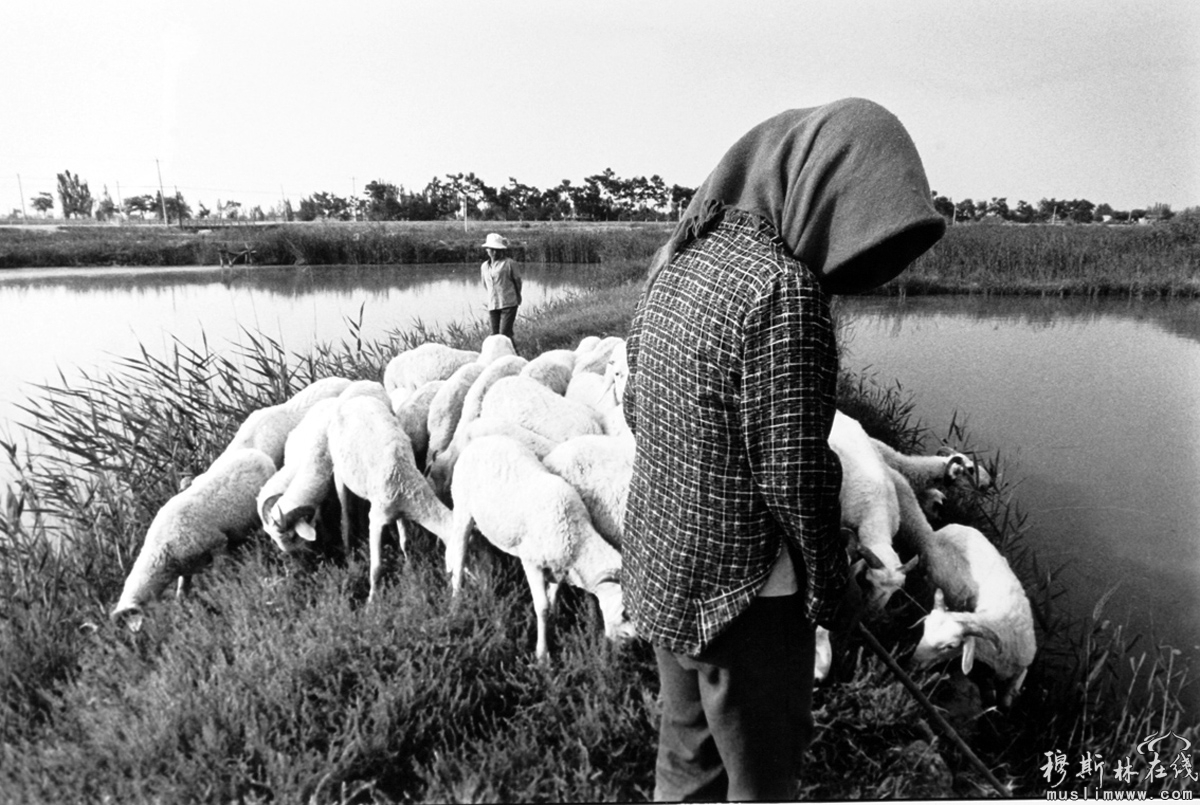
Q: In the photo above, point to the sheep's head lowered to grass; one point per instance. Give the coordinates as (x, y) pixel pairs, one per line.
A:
(288, 529)
(948, 634)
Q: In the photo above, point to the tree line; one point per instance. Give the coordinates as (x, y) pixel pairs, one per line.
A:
(603, 196)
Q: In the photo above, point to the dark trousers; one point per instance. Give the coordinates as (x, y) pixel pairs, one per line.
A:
(737, 719)
(502, 320)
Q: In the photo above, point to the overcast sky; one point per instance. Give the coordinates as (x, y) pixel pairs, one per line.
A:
(254, 101)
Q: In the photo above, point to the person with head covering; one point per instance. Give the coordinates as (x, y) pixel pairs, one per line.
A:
(732, 550)
(502, 283)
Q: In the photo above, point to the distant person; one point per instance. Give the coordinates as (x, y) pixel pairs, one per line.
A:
(732, 549)
(502, 283)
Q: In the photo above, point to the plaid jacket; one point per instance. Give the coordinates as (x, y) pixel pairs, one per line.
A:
(733, 376)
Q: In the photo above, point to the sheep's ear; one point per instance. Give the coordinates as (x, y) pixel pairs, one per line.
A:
(939, 599)
(873, 561)
(305, 531)
(968, 655)
(296, 516)
(267, 506)
(908, 566)
(974, 629)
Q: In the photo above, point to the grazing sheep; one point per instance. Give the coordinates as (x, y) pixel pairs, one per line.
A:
(529, 512)
(414, 367)
(373, 458)
(504, 366)
(412, 411)
(217, 507)
(288, 503)
(495, 347)
(596, 359)
(366, 388)
(980, 607)
(267, 429)
(586, 344)
(600, 469)
(869, 507)
(441, 472)
(528, 403)
(322, 389)
(931, 476)
(446, 407)
(552, 369)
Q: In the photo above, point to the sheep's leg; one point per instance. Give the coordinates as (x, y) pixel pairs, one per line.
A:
(456, 547)
(552, 588)
(343, 495)
(377, 525)
(541, 604)
(183, 586)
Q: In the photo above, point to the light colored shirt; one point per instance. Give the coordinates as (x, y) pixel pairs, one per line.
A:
(502, 283)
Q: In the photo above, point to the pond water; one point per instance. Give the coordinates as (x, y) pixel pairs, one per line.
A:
(84, 319)
(1095, 409)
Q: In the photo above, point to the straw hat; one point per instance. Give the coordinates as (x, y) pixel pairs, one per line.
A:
(495, 241)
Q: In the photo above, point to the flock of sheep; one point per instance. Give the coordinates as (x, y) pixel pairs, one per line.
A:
(536, 456)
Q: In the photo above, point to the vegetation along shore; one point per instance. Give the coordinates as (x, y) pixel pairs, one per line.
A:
(274, 680)
(1162, 259)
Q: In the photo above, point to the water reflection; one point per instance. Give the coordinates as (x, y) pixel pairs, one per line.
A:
(83, 318)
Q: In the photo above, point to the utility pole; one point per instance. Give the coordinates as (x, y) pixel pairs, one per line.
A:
(21, 190)
(162, 199)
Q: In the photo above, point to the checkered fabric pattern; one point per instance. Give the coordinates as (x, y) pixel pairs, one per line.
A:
(733, 377)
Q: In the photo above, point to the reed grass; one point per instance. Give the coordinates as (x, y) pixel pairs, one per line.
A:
(274, 681)
(1160, 260)
(327, 243)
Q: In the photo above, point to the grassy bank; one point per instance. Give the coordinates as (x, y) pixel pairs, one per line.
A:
(323, 243)
(275, 682)
(1159, 260)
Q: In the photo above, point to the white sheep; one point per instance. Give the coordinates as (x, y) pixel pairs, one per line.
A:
(445, 409)
(504, 366)
(267, 429)
(317, 390)
(429, 361)
(218, 506)
(980, 607)
(373, 458)
(412, 411)
(600, 469)
(870, 508)
(552, 369)
(931, 476)
(586, 344)
(494, 347)
(596, 359)
(528, 403)
(366, 388)
(288, 503)
(529, 512)
(440, 473)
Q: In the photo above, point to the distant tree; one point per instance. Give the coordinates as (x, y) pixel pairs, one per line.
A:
(177, 208)
(1121, 216)
(106, 209)
(1160, 211)
(1081, 211)
(680, 197)
(1137, 214)
(943, 205)
(75, 196)
(139, 204)
(965, 210)
(201, 210)
(382, 201)
(1023, 213)
(997, 207)
(42, 203)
